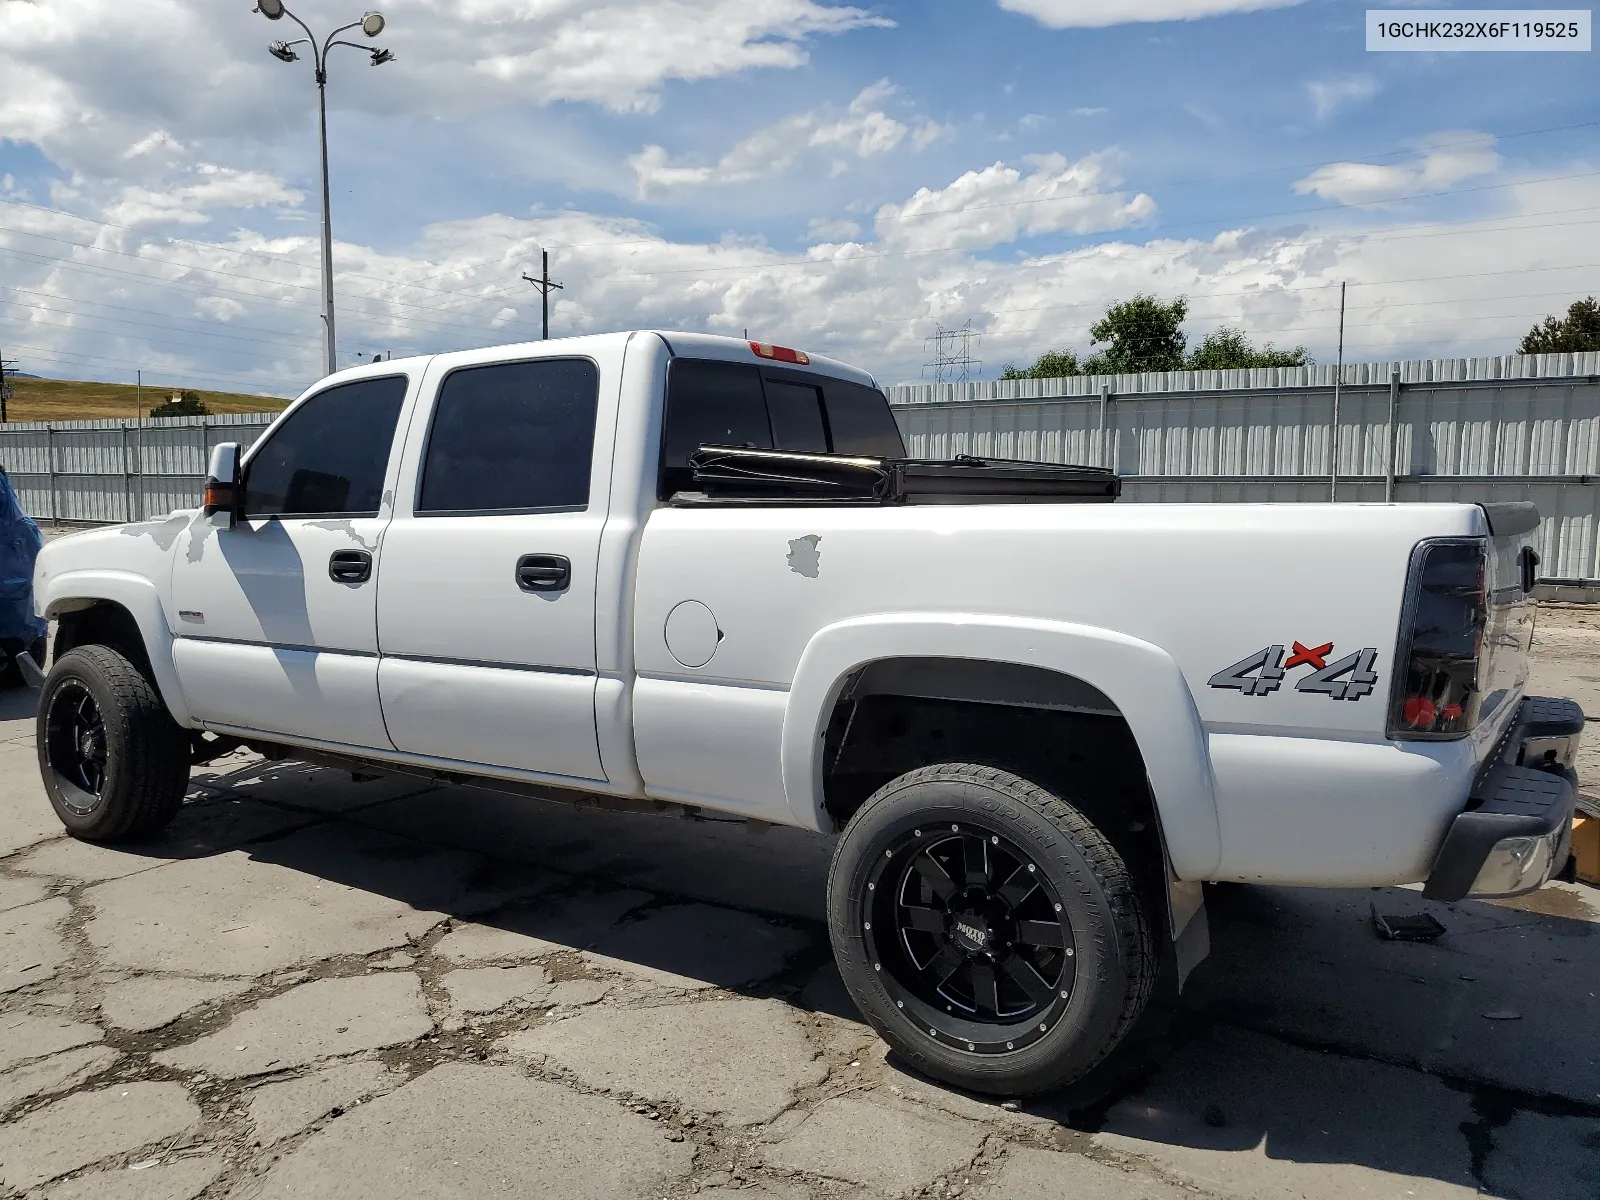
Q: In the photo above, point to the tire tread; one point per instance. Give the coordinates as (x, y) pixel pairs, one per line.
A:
(1132, 926)
(149, 782)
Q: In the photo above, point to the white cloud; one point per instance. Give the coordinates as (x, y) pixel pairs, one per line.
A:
(619, 53)
(1445, 160)
(870, 303)
(186, 204)
(1330, 95)
(220, 308)
(862, 131)
(1094, 14)
(93, 82)
(1000, 203)
(1090, 112)
(821, 229)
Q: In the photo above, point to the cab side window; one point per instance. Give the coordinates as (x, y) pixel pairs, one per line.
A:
(328, 458)
(512, 438)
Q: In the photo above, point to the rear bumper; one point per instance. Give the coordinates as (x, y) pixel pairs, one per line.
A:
(1516, 831)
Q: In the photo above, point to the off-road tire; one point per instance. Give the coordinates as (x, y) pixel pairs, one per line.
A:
(1116, 961)
(146, 768)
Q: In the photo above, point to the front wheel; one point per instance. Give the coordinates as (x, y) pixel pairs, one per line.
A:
(115, 764)
(987, 930)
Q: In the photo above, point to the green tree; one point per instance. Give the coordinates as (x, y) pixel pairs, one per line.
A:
(188, 404)
(1142, 334)
(1228, 349)
(1052, 364)
(1574, 333)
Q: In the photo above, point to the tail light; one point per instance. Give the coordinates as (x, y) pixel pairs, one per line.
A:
(1436, 693)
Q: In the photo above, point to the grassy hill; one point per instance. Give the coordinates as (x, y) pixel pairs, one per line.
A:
(67, 400)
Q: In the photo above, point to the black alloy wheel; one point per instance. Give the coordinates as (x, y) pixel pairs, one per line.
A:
(75, 746)
(970, 936)
(987, 929)
(114, 763)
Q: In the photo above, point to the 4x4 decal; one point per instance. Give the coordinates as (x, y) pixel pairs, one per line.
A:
(1262, 673)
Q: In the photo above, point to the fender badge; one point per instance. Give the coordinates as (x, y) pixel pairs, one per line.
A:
(1261, 674)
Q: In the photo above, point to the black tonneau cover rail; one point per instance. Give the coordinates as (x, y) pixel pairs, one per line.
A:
(730, 476)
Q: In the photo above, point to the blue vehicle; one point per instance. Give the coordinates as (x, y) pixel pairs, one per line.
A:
(20, 630)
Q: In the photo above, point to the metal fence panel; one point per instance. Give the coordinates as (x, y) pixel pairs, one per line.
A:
(1475, 430)
(110, 471)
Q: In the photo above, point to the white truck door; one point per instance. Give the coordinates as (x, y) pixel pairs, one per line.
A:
(277, 617)
(486, 604)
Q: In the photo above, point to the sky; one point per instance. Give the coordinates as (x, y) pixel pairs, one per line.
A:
(844, 178)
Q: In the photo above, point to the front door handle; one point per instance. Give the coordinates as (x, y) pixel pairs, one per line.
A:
(350, 566)
(544, 573)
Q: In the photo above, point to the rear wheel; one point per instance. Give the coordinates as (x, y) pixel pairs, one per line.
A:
(988, 931)
(115, 764)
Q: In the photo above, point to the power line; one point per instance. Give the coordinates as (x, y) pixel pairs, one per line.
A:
(491, 296)
(1120, 190)
(45, 308)
(220, 290)
(65, 355)
(222, 247)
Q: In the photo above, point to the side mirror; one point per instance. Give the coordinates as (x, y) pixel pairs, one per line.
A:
(223, 492)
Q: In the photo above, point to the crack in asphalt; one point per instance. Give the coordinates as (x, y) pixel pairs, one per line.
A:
(718, 1150)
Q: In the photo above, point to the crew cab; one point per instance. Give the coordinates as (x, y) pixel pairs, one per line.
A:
(678, 570)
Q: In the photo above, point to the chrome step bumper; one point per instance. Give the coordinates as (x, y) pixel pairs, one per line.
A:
(1516, 832)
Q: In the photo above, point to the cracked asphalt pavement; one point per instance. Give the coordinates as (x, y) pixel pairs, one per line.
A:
(312, 986)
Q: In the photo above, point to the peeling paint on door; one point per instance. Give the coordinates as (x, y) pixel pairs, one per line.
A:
(804, 557)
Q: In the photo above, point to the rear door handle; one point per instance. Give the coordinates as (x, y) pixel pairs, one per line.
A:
(544, 573)
(350, 566)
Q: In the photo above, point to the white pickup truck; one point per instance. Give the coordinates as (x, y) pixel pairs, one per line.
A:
(672, 569)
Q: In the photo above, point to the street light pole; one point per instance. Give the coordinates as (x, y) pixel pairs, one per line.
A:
(371, 24)
(329, 341)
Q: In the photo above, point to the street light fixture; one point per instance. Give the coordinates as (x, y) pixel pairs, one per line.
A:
(371, 24)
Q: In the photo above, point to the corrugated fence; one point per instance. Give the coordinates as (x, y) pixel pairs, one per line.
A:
(111, 471)
(1477, 430)
(1486, 429)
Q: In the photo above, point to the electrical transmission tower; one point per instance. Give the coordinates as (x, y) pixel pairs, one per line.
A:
(545, 285)
(952, 354)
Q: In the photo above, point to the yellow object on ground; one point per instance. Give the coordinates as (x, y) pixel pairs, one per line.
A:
(1586, 845)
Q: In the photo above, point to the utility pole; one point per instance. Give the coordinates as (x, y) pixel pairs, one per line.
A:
(1338, 383)
(545, 285)
(6, 368)
(138, 382)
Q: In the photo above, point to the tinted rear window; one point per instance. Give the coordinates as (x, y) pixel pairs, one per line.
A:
(860, 420)
(796, 412)
(709, 404)
(712, 403)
